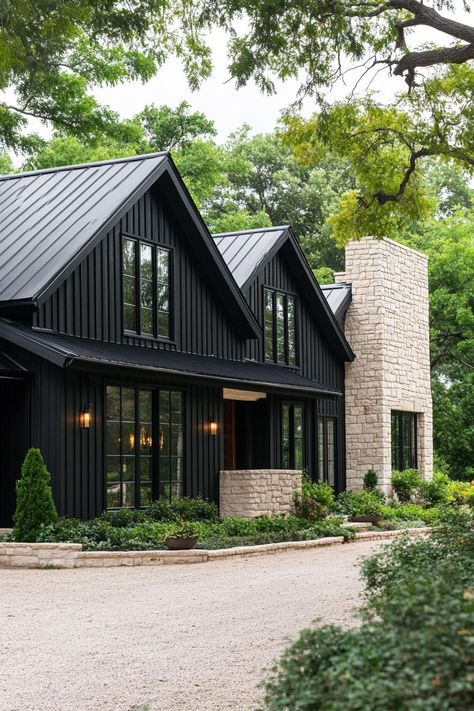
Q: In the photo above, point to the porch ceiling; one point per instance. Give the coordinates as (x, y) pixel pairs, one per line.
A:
(66, 351)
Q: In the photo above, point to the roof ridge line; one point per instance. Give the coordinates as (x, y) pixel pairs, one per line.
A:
(78, 166)
(253, 230)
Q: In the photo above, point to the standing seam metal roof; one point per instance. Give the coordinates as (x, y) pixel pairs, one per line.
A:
(338, 297)
(245, 251)
(47, 216)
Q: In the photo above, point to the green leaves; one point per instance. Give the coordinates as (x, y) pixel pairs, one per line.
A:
(34, 499)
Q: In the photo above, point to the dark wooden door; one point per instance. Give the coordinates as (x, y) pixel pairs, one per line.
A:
(14, 440)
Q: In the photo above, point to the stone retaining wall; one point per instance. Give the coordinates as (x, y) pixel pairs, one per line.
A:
(71, 555)
(248, 493)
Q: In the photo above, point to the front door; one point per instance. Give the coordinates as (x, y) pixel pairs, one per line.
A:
(14, 442)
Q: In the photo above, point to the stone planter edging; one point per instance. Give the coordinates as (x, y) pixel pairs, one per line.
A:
(71, 555)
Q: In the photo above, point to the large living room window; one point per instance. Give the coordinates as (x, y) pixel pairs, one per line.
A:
(326, 449)
(292, 433)
(146, 287)
(144, 445)
(404, 454)
(279, 327)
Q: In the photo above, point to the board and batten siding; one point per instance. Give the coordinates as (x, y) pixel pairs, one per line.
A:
(88, 304)
(316, 360)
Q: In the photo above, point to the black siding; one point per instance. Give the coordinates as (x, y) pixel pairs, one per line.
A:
(88, 303)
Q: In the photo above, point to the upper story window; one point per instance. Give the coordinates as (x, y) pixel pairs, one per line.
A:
(279, 321)
(146, 281)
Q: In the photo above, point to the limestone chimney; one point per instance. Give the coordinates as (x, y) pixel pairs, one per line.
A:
(388, 387)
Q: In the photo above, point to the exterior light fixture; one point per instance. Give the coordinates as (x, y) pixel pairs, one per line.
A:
(213, 427)
(85, 417)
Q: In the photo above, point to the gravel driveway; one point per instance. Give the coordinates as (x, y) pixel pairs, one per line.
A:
(193, 637)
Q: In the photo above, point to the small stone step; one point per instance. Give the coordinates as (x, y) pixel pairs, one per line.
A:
(357, 526)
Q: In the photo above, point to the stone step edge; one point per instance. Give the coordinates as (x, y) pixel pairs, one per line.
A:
(71, 555)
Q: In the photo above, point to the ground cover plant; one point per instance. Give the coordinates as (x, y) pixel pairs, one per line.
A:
(415, 647)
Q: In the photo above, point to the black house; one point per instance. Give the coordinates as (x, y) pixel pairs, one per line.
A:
(143, 355)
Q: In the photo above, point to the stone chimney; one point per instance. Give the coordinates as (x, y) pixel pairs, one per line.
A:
(387, 327)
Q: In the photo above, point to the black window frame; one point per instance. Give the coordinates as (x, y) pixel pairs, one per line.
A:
(155, 248)
(291, 404)
(404, 450)
(275, 293)
(322, 422)
(156, 459)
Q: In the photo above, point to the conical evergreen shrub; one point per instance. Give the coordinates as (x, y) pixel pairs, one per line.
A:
(34, 499)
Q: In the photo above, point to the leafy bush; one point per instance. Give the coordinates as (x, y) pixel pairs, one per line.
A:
(370, 480)
(414, 649)
(434, 492)
(358, 503)
(196, 509)
(410, 512)
(34, 499)
(456, 491)
(124, 518)
(314, 500)
(184, 529)
(406, 483)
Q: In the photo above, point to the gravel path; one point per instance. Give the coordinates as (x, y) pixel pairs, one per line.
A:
(191, 637)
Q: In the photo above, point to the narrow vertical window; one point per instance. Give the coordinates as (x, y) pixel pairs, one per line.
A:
(146, 290)
(291, 314)
(163, 291)
(326, 449)
(129, 289)
(171, 443)
(292, 436)
(279, 326)
(120, 447)
(145, 451)
(268, 324)
(404, 433)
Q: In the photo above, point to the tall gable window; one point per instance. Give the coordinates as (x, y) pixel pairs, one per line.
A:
(279, 320)
(404, 455)
(146, 286)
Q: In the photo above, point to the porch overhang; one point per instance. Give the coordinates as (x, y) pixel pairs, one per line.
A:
(70, 352)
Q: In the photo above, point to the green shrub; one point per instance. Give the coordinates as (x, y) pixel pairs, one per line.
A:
(406, 483)
(34, 499)
(314, 500)
(196, 509)
(414, 649)
(124, 518)
(184, 529)
(370, 480)
(433, 492)
(410, 512)
(358, 503)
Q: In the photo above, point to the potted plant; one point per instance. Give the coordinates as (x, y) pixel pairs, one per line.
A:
(182, 536)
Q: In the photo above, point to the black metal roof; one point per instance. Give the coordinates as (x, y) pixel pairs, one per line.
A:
(50, 219)
(339, 297)
(10, 368)
(48, 216)
(245, 251)
(67, 351)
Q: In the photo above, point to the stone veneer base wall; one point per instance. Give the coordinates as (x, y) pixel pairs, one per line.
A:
(387, 325)
(248, 493)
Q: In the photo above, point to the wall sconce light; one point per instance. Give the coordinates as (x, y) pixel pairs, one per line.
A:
(213, 427)
(85, 417)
